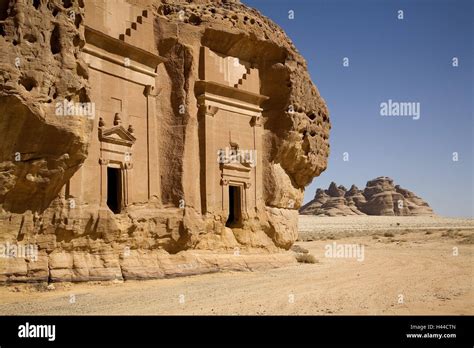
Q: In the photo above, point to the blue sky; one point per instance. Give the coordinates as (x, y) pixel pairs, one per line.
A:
(407, 60)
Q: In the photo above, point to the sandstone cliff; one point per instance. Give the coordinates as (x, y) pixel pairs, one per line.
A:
(380, 197)
(41, 63)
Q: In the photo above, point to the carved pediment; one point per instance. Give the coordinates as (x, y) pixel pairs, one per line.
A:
(117, 135)
(236, 166)
(235, 173)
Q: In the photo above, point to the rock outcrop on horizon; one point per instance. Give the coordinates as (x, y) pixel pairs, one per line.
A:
(380, 197)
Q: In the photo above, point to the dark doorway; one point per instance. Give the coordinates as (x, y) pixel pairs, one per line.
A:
(235, 209)
(114, 189)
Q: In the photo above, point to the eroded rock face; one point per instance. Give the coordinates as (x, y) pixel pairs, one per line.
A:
(296, 124)
(151, 238)
(295, 116)
(39, 65)
(380, 197)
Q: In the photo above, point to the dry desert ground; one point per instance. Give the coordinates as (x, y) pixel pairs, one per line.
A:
(411, 265)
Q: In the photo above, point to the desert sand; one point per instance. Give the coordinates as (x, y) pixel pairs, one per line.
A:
(412, 265)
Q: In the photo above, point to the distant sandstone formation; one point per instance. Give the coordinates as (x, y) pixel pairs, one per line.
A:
(151, 138)
(380, 197)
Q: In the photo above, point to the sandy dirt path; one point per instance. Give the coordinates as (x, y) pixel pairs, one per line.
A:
(418, 266)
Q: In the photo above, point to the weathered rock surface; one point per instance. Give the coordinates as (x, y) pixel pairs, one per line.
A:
(380, 197)
(77, 266)
(41, 63)
(295, 118)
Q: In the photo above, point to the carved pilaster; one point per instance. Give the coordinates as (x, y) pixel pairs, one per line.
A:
(207, 110)
(148, 90)
(256, 121)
